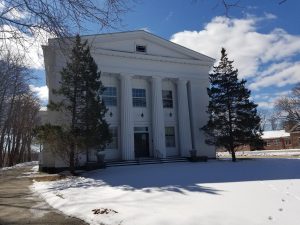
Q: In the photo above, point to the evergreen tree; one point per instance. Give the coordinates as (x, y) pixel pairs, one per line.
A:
(80, 90)
(233, 119)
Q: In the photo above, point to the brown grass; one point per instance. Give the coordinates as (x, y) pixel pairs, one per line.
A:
(49, 178)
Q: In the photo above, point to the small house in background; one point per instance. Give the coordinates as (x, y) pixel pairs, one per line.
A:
(295, 135)
(276, 139)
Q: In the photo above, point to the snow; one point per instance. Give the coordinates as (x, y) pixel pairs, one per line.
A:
(248, 192)
(21, 165)
(263, 153)
(275, 134)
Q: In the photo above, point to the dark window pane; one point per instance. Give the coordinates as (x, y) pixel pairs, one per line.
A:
(170, 136)
(139, 97)
(167, 99)
(140, 48)
(109, 96)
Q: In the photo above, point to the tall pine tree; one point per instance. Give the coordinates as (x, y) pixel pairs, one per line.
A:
(233, 119)
(80, 93)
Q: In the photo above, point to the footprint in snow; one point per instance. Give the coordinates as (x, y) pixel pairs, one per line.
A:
(283, 200)
(270, 218)
(280, 209)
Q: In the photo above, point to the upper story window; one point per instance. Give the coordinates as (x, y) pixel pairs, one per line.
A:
(141, 48)
(138, 97)
(167, 99)
(109, 96)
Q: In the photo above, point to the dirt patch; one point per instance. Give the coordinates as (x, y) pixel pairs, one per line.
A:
(49, 178)
(19, 205)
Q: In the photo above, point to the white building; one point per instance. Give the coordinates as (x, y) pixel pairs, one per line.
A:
(155, 93)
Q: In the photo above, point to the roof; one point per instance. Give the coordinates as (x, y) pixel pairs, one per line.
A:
(275, 134)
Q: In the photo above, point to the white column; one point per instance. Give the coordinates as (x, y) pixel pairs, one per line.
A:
(184, 131)
(158, 125)
(127, 137)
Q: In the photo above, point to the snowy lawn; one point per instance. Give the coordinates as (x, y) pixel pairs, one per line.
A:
(283, 153)
(248, 192)
(20, 165)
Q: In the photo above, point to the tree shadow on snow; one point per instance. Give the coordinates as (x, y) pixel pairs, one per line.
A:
(193, 177)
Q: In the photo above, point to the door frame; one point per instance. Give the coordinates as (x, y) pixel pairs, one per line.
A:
(142, 131)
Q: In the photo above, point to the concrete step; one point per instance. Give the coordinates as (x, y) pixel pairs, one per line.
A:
(144, 161)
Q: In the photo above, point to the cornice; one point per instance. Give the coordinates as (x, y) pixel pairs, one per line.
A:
(149, 57)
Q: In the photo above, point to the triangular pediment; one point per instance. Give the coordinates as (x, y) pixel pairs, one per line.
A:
(126, 42)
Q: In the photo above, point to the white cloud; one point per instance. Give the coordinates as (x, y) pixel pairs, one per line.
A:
(11, 12)
(265, 105)
(43, 108)
(41, 92)
(29, 47)
(281, 74)
(257, 55)
(268, 100)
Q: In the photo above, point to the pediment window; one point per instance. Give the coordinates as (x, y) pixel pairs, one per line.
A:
(141, 48)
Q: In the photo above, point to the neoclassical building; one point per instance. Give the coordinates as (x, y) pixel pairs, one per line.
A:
(155, 94)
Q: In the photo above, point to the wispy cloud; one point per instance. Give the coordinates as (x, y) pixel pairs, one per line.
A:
(169, 16)
(268, 100)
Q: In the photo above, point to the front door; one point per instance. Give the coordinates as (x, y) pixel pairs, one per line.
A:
(141, 145)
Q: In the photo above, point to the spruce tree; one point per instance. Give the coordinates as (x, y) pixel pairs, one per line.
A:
(233, 119)
(80, 93)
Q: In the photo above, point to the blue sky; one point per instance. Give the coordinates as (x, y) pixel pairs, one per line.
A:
(262, 37)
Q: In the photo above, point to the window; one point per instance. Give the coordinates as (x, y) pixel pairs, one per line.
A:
(138, 97)
(167, 99)
(276, 142)
(140, 48)
(170, 137)
(287, 141)
(109, 96)
(268, 143)
(114, 140)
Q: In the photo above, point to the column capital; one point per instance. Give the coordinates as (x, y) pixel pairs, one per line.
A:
(125, 76)
(156, 78)
(181, 81)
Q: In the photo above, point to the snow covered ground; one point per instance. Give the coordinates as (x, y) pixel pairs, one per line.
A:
(263, 153)
(248, 192)
(21, 165)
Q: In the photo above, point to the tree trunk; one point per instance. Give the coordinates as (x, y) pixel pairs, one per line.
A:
(72, 159)
(233, 155)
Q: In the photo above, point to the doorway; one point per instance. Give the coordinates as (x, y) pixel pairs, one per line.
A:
(141, 142)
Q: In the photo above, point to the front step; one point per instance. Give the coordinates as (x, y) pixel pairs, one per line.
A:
(144, 161)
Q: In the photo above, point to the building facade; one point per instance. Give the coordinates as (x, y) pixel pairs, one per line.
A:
(155, 94)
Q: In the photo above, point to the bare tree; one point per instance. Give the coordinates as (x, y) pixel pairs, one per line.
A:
(290, 106)
(18, 111)
(274, 120)
(263, 114)
(24, 19)
(230, 4)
